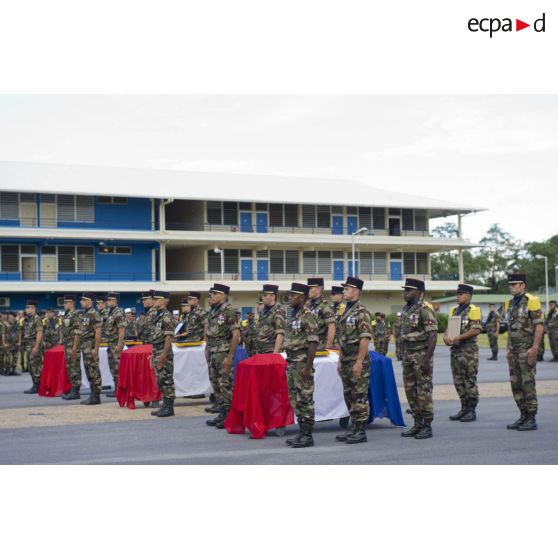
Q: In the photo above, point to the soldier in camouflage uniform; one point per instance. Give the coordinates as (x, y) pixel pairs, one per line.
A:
(115, 331)
(337, 307)
(379, 334)
(145, 330)
(465, 354)
(51, 336)
(194, 320)
(133, 332)
(163, 357)
(87, 340)
(3, 345)
(551, 325)
(247, 334)
(33, 343)
(22, 355)
(355, 333)
(70, 325)
(270, 329)
(223, 335)
(397, 335)
(101, 304)
(12, 339)
(419, 334)
(525, 329)
(493, 330)
(301, 341)
(324, 315)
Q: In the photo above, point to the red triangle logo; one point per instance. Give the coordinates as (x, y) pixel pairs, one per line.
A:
(519, 25)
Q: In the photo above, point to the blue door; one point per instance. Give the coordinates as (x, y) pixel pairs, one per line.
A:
(338, 270)
(246, 269)
(245, 310)
(352, 224)
(245, 222)
(261, 222)
(395, 271)
(337, 224)
(263, 270)
(357, 265)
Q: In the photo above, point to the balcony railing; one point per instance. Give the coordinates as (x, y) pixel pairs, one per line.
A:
(294, 277)
(28, 222)
(61, 276)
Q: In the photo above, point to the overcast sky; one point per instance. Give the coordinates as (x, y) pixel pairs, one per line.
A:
(498, 152)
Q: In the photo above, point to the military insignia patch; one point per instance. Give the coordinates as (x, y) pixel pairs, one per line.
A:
(221, 319)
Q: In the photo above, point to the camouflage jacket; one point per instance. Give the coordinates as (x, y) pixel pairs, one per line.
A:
(324, 317)
(104, 317)
(397, 327)
(50, 332)
(113, 322)
(470, 319)
(417, 321)
(194, 325)
(132, 330)
(551, 321)
(12, 333)
(379, 329)
(163, 326)
(33, 325)
(89, 321)
(337, 308)
(354, 325)
(221, 322)
(491, 320)
(70, 324)
(522, 319)
(3, 332)
(301, 330)
(146, 330)
(270, 323)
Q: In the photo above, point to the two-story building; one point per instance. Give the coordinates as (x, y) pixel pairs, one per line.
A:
(69, 228)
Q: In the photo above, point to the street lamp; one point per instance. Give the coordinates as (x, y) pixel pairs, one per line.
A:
(545, 258)
(222, 252)
(361, 230)
(556, 280)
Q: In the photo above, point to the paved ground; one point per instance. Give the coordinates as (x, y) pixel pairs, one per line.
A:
(39, 430)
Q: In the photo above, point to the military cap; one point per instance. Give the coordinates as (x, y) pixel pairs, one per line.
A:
(517, 278)
(101, 298)
(147, 294)
(354, 282)
(462, 288)
(128, 311)
(31, 302)
(161, 294)
(270, 289)
(218, 288)
(378, 314)
(114, 295)
(89, 296)
(184, 301)
(336, 290)
(175, 312)
(300, 288)
(194, 294)
(315, 282)
(551, 302)
(260, 300)
(69, 298)
(415, 284)
(49, 310)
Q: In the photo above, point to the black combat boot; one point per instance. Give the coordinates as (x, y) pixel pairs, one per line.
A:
(72, 394)
(93, 399)
(461, 413)
(167, 410)
(305, 440)
(215, 408)
(213, 421)
(33, 389)
(291, 441)
(520, 420)
(425, 431)
(343, 437)
(529, 423)
(359, 435)
(222, 416)
(470, 415)
(112, 392)
(415, 429)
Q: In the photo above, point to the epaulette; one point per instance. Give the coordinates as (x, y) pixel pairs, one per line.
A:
(475, 313)
(427, 304)
(534, 303)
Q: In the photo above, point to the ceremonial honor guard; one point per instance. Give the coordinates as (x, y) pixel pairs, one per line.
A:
(493, 330)
(355, 332)
(131, 329)
(525, 330)
(247, 333)
(270, 329)
(552, 330)
(324, 315)
(50, 329)
(194, 320)
(465, 354)
(33, 344)
(115, 331)
(70, 326)
(12, 336)
(379, 335)
(337, 307)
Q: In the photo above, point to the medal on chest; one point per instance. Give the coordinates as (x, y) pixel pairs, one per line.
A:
(221, 319)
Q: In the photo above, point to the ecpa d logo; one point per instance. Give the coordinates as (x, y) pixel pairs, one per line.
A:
(493, 25)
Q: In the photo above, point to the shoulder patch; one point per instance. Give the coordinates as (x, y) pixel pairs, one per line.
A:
(534, 303)
(427, 304)
(475, 313)
(452, 310)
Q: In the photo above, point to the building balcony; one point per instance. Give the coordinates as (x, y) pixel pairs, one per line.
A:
(40, 225)
(46, 276)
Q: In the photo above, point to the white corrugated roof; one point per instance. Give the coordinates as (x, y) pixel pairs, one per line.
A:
(19, 176)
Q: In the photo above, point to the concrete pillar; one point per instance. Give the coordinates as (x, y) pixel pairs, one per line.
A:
(163, 262)
(461, 267)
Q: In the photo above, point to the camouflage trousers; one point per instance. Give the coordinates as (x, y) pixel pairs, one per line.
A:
(522, 378)
(301, 392)
(114, 361)
(398, 348)
(35, 363)
(553, 342)
(92, 370)
(8, 358)
(4, 357)
(464, 369)
(381, 346)
(355, 390)
(418, 384)
(540, 352)
(165, 374)
(221, 381)
(72, 366)
(493, 342)
(264, 348)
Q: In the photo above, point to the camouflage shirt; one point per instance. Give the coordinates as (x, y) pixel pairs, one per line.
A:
(355, 324)
(523, 315)
(271, 323)
(70, 324)
(32, 326)
(89, 321)
(551, 321)
(163, 326)
(417, 321)
(324, 316)
(114, 321)
(397, 327)
(491, 320)
(301, 330)
(194, 325)
(337, 308)
(50, 332)
(104, 317)
(146, 330)
(131, 331)
(379, 329)
(12, 333)
(221, 322)
(470, 319)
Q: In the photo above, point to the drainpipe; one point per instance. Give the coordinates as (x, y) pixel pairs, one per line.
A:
(162, 225)
(460, 251)
(162, 245)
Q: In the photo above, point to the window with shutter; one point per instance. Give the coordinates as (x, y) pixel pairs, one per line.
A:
(29, 198)
(9, 260)
(323, 219)
(215, 213)
(309, 262)
(379, 218)
(85, 259)
(85, 211)
(408, 220)
(9, 206)
(213, 262)
(422, 263)
(48, 198)
(380, 263)
(230, 213)
(231, 261)
(366, 263)
(352, 210)
(365, 217)
(66, 208)
(309, 216)
(421, 220)
(324, 263)
(409, 263)
(66, 259)
(291, 261)
(291, 215)
(275, 215)
(277, 261)
(246, 253)
(28, 249)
